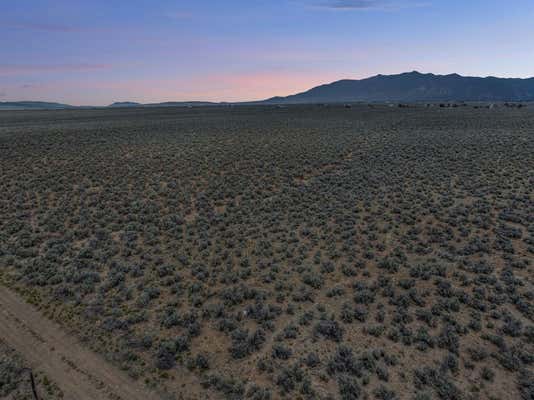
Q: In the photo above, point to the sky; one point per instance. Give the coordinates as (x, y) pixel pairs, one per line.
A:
(101, 51)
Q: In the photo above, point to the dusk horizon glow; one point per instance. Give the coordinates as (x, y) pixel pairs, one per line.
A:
(101, 52)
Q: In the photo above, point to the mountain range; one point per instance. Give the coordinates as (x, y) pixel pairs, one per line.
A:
(416, 87)
(34, 105)
(406, 87)
(165, 104)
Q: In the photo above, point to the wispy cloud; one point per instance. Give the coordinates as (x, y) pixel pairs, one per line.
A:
(24, 69)
(370, 4)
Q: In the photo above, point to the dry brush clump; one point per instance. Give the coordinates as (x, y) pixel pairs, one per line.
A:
(303, 252)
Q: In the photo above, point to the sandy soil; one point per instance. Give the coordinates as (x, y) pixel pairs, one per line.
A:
(80, 373)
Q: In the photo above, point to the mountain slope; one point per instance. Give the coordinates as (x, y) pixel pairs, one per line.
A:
(163, 104)
(414, 86)
(405, 87)
(32, 105)
(125, 104)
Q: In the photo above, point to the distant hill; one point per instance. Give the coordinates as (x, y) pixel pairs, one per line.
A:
(406, 87)
(164, 104)
(32, 105)
(125, 104)
(415, 87)
(43, 105)
(182, 104)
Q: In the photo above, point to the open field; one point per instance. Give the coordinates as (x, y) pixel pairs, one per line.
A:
(261, 253)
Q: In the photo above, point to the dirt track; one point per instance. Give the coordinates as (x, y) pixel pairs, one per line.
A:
(80, 373)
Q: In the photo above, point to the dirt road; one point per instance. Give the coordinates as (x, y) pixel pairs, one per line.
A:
(80, 373)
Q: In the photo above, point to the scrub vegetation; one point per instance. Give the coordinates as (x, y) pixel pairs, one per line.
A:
(306, 252)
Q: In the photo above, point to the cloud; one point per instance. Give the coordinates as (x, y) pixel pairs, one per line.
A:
(369, 4)
(13, 69)
(3, 94)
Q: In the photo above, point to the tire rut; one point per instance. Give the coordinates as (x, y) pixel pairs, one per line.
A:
(80, 373)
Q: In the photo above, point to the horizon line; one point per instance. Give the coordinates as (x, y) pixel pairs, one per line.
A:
(222, 102)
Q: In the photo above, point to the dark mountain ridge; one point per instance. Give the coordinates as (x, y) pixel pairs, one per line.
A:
(35, 105)
(416, 87)
(406, 87)
(125, 104)
(164, 104)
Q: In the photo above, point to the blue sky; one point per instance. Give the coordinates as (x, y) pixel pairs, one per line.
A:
(97, 52)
